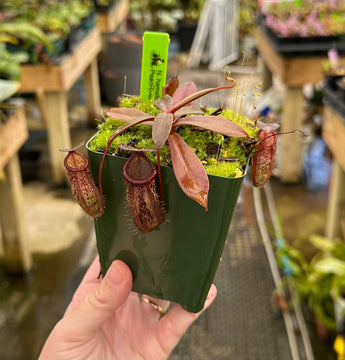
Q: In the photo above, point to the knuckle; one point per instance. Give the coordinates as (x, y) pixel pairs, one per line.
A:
(97, 299)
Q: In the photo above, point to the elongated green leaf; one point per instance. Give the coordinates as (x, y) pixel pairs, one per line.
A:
(323, 316)
(8, 88)
(217, 124)
(161, 128)
(321, 242)
(331, 266)
(26, 32)
(18, 57)
(126, 114)
(189, 171)
(8, 38)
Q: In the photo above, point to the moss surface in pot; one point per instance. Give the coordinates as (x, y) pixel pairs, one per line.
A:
(175, 131)
(220, 155)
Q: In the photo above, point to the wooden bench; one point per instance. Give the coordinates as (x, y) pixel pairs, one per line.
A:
(114, 19)
(13, 134)
(51, 83)
(333, 132)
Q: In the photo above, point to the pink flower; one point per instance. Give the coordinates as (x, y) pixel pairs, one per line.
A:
(333, 57)
(333, 4)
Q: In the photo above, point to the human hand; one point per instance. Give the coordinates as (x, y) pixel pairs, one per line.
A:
(105, 320)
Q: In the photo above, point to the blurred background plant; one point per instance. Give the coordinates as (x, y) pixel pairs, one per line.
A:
(99, 4)
(181, 17)
(152, 14)
(247, 13)
(318, 278)
(42, 26)
(305, 17)
(13, 33)
(163, 15)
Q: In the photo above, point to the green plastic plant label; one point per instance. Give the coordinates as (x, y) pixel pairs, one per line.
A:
(154, 65)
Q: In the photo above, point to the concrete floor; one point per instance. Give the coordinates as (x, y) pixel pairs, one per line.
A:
(62, 242)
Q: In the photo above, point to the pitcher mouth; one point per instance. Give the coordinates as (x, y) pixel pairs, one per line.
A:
(138, 169)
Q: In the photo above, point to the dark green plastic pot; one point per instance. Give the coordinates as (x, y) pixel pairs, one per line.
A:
(178, 260)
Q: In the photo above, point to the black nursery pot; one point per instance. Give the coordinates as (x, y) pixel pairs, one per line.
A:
(178, 260)
(104, 9)
(331, 80)
(340, 84)
(74, 38)
(186, 32)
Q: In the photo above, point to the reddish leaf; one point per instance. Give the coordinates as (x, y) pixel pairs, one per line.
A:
(120, 130)
(190, 98)
(161, 128)
(125, 114)
(164, 103)
(189, 171)
(183, 91)
(218, 124)
(171, 87)
(187, 110)
(132, 148)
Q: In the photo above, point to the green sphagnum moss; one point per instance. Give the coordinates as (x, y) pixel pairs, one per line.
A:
(229, 160)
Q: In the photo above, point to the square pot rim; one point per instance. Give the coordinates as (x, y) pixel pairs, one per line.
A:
(245, 170)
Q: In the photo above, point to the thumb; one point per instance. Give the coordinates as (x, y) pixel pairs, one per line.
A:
(104, 299)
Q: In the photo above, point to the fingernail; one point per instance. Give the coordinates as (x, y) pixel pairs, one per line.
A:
(116, 275)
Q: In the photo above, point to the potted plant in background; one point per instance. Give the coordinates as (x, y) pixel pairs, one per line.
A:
(319, 280)
(104, 6)
(22, 36)
(13, 33)
(9, 79)
(332, 69)
(17, 21)
(9, 62)
(155, 15)
(308, 19)
(191, 10)
(74, 13)
(9, 72)
(10, 122)
(55, 26)
(246, 20)
(293, 24)
(9, 66)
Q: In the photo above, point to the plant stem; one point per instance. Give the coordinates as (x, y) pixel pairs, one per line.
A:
(101, 167)
(160, 175)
